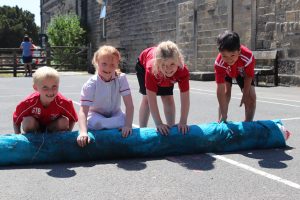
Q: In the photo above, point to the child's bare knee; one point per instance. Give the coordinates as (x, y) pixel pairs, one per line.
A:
(145, 101)
(250, 104)
(227, 94)
(63, 123)
(168, 99)
(29, 124)
(252, 99)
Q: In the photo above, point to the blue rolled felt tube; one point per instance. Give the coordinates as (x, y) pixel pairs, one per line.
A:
(30, 148)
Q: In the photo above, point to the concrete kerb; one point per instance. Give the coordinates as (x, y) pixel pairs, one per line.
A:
(70, 73)
(284, 80)
(202, 76)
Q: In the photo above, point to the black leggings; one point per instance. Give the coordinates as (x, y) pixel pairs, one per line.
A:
(239, 79)
(140, 73)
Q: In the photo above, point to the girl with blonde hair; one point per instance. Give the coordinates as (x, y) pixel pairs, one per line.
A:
(158, 69)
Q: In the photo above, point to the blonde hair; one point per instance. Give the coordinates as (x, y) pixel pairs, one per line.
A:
(106, 50)
(166, 50)
(44, 72)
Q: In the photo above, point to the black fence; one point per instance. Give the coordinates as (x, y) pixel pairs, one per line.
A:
(62, 58)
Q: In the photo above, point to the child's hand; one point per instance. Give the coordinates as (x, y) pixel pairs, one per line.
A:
(126, 131)
(83, 139)
(63, 123)
(163, 129)
(183, 128)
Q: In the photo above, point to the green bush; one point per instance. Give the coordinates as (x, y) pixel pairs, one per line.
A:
(65, 30)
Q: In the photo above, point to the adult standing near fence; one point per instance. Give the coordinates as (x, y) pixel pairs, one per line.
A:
(26, 47)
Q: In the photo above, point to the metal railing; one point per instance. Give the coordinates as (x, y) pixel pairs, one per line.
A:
(62, 58)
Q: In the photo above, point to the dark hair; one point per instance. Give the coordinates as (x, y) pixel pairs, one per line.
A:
(228, 40)
(26, 38)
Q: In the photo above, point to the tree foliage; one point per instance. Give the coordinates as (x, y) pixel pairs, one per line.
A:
(14, 24)
(65, 30)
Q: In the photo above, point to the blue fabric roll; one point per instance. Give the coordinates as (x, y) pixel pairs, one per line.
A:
(33, 148)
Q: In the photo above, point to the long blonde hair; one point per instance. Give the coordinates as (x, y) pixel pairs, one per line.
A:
(106, 50)
(166, 50)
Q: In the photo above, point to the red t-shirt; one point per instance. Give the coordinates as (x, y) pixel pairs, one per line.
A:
(152, 82)
(244, 64)
(32, 106)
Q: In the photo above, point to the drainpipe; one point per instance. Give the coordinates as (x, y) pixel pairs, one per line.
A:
(230, 15)
(41, 15)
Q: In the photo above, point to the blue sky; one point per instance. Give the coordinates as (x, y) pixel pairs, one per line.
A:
(32, 6)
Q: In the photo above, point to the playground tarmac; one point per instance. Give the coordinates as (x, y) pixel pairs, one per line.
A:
(256, 174)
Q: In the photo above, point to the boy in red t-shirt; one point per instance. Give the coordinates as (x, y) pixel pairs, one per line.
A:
(46, 109)
(234, 61)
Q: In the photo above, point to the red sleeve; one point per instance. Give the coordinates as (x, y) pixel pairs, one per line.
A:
(146, 56)
(220, 74)
(184, 80)
(249, 69)
(66, 107)
(249, 60)
(70, 111)
(150, 81)
(21, 111)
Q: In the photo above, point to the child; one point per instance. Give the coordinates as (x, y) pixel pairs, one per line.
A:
(158, 69)
(45, 109)
(101, 97)
(234, 61)
(26, 47)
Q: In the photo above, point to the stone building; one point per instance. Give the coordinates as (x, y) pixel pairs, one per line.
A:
(50, 8)
(133, 25)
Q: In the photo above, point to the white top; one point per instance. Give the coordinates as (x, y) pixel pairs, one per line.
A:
(104, 97)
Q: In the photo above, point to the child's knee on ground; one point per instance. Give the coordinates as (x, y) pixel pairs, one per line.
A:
(30, 124)
(60, 124)
(98, 122)
(63, 123)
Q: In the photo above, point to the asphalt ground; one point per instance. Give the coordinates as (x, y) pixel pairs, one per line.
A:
(256, 174)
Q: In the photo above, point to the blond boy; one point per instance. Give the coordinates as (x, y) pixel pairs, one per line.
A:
(46, 109)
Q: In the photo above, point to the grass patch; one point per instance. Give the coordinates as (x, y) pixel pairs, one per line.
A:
(11, 75)
(6, 75)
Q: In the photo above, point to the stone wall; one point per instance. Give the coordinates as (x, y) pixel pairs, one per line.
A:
(51, 8)
(242, 12)
(212, 19)
(94, 24)
(142, 24)
(278, 27)
(185, 33)
(194, 25)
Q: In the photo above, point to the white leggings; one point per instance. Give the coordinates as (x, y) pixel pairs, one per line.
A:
(96, 121)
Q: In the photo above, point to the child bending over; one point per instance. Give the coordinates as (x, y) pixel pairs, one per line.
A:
(158, 69)
(237, 62)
